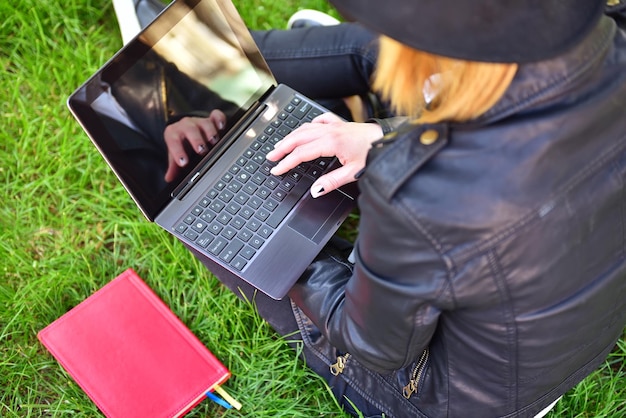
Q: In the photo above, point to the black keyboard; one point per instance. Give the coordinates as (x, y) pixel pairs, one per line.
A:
(242, 210)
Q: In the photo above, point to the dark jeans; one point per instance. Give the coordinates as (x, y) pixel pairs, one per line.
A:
(323, 63)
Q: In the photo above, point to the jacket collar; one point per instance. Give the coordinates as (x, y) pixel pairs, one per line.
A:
(401, 153)
(538, 84)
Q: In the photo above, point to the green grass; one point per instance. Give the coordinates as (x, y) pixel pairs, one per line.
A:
(67, 227)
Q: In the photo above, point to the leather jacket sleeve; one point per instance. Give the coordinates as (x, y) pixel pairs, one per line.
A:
(390, 124)
(385, 308)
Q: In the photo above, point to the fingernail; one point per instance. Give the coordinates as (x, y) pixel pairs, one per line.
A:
(201, 148)
(182, 161)
(213, 139)
(317, 191)
(221, 125)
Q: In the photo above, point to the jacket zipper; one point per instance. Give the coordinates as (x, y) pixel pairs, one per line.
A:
(408, 390)
(418, 370)
(337, 368)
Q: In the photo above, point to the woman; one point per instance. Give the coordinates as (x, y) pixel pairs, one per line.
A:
(489, 273)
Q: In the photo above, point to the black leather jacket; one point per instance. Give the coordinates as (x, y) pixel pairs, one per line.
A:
(491, 263)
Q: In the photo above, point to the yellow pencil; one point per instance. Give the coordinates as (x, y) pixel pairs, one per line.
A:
(227, 397)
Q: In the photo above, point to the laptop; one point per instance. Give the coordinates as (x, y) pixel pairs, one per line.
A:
(196, 57)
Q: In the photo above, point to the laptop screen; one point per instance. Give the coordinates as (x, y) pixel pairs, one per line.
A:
(196, 57)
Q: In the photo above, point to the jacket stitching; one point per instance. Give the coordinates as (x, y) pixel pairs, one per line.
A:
(553, 85)
(534, 215)
(623, 211)
(511, 335)
(447, 261)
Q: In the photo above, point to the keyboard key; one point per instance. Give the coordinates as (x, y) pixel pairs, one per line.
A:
(231, 250)
(250, 188)
(242, 198)
(215, 228)
(265, 232)
(255, 202)
(204, 202)
(271, 182)
(238, 222)
(190, 234)
(199, 226)
(302, 110)
(258, 179)
(246, 212)
(288, 184)
(256, 242)
(253, 224)
(292, 122)
(208, 216)
(205, 239)
(244, 235)
(313, 113)
(262, 214)
(233, 208)
(234, 187)
(217, 206)
(238, 263)
(229, 232)
(218, 244)
(224, 218)
(247, 252)
(270, 204)
(279, 194)
(226, 196)
(251, 167)
(284, 131)
(263, 192)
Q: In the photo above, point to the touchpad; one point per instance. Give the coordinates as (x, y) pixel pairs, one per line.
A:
(318, 216)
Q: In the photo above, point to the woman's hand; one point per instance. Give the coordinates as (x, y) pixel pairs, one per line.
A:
(327, 136)
(200, 133)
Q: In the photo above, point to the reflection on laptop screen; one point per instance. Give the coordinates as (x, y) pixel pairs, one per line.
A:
(195, 58)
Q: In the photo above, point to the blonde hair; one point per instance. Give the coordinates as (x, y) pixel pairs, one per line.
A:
(461, 90)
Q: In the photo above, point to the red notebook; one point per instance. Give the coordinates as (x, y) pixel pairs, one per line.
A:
(131, 354)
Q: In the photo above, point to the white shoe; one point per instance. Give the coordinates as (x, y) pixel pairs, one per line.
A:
(308, 18)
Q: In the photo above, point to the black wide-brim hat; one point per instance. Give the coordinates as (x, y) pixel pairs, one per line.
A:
(480, 30)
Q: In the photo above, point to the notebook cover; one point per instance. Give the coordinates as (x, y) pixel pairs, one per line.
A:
(131, 355)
